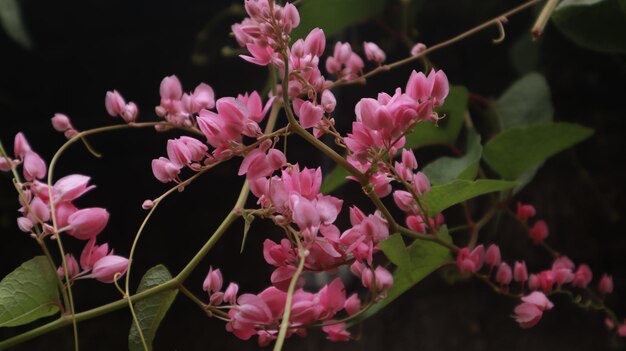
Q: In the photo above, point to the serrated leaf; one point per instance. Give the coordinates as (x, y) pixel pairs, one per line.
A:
(28, 293)
(525, 102)
(518, 149)
(593, 24)
(414, 263)
(446, 169)
(13, 24)
(444, 196)
(150, 311)
(334, 15)
(424, 134)
(449, 128)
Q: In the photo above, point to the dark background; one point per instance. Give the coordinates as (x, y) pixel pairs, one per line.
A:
(83, 49)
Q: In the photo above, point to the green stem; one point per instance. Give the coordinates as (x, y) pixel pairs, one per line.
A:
(284, 324)
(441, 45)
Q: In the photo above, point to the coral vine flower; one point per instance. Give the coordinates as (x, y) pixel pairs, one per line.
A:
(530, 311)
(470, 262)
(87, 223)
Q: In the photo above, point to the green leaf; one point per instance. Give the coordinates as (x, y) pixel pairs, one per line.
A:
(28, 293)
(448, 130)
(518, 149)
(525, 102)
(334, 179)
(593, 24)
(441, 197)
(150, 311)
(524, 54)
(13, 24)
(446, 169)
(423, 134)
(334, 15)
(414, 263)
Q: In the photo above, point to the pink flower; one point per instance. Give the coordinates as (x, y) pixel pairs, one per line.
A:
(61, 122)
(34, 166)
(20, 145)
(25, 224)
(71, 187)
(383, 279)
(417, 49)
(336, 332)
(87, 223)
(106, 268)
(470, 262)
(621, 330)
(582, 277)
(309, 115)
(542, 281)
(315, 42)
(520, 274)
(72, 267)
(525, 211)
(170, 90)
(213, 281)
(328, 101)
(504, 274)
(538, 232)
(230, 295)
(373, 52)
(352, 304)
(493, 257)
(114, 103)
(164, 170)
(530, 311)
(92, 253)
(605, 286)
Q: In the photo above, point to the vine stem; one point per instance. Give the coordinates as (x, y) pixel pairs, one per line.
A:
(494, 21)
(284, 324)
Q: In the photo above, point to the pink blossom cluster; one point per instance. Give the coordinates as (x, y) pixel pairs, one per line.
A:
(38, 219)
(224, 129)
(261, 314)
(563, 271)
(294, 199)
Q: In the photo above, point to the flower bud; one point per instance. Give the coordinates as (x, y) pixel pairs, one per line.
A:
(352, 304)
(106, 269)
(213, 281)
(525, 211)
(61, 122)
(72, 267)
(34, 166)
(374, 53)
(520, 274)
(493, 257)
(605, 286)
(114, 103)
(230, 295)
(418, 49)
(20, 145)
(582, 277)
(87, 223)
(504, 274)
(538, 232)
(315, 42)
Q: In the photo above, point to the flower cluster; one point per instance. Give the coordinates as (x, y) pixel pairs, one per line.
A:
(50, 211)
(562, 272)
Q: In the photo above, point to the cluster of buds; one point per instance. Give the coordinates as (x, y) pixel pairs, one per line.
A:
(550, 281)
